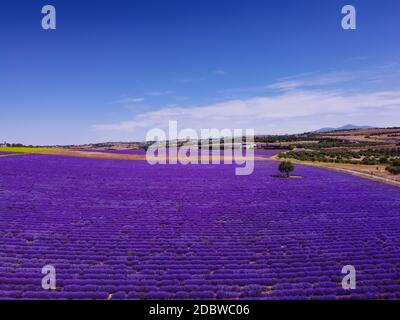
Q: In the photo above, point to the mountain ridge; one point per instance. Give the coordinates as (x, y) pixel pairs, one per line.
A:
(345, 127)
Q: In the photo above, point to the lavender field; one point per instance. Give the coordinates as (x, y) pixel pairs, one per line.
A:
(125, 229)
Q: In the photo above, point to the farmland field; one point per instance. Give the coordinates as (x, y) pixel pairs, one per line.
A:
(125, 229)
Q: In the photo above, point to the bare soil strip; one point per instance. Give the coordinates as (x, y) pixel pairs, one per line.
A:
(99, 155)
(120, 156)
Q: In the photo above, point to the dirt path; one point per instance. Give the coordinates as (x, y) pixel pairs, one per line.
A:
(11, 154)
(143, 157)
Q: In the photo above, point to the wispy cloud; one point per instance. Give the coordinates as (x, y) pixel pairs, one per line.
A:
(188, 80)
(302, 81)
(129, 100)
(220, 72)
(319, 80)
(358, 58)
(158, 93)
(359, 76)
(292, 104)
(181, 98)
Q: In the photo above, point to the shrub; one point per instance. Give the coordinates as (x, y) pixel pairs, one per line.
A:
(286, 167)
(395, 163)
(393, 169)
(383, 160)
(369, 161)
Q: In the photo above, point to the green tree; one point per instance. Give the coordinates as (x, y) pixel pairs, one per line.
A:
(286, 167)
(393, 169)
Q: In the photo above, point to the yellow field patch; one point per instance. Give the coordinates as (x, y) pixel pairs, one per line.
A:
(26, 149)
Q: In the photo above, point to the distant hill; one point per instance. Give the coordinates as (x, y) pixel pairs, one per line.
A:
(345, 127)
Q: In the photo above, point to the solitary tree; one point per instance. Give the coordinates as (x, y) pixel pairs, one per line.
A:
(286, 167)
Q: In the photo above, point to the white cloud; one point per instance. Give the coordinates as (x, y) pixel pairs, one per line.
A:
(288, 112)
(294, 104)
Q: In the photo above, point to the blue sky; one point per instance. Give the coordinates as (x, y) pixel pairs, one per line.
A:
(112, 70)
